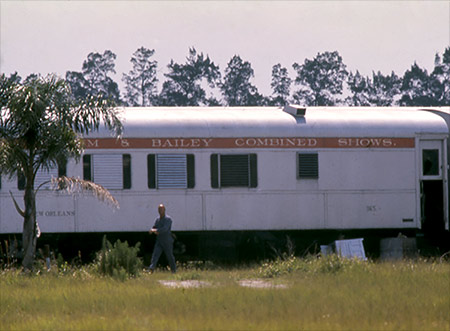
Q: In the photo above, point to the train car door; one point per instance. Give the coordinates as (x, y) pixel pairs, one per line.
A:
(433, 190)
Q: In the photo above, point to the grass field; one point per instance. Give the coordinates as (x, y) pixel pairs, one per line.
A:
(316, 294)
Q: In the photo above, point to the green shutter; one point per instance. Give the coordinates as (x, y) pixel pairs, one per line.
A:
(151, 171)
(21, 181)
(253, 171)
(190, 168)
(62, 167)
(87, 167)
(214, 171)
(126, 160)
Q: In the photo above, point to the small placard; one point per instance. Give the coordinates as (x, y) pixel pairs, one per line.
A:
(351, 248)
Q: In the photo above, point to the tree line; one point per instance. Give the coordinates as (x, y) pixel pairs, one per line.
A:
(321, 81)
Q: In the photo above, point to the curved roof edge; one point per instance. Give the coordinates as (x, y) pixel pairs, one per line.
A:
(274, 122)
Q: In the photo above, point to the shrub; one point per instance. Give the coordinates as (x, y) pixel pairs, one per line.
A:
(119, 260)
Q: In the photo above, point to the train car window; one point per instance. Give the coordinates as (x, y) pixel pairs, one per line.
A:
(234, 170)
(44, 176)
(113, 171)
(430, 159)
(170, 171)
(308, 165)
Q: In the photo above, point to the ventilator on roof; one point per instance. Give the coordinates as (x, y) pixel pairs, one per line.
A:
(295, 110)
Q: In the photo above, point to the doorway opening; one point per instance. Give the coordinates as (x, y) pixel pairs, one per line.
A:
(432, 201)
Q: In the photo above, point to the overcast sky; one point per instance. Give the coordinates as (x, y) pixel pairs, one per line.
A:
(56, 36)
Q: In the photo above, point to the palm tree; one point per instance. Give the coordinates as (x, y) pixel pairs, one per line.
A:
(40, 125)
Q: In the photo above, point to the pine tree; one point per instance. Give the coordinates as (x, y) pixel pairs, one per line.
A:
(416, 88)
(359, 87)
(440, 79)
(94, 79)
(183, 86)
(383, 90)
(140, 82)
(236, 87)
(321, 80)
(281, 86)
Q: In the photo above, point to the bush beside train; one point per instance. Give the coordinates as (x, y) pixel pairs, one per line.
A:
(234, 177)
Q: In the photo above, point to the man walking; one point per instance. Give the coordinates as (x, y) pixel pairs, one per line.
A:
(164, 240)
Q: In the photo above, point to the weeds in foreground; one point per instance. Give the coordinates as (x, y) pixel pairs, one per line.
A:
(198, 265)
(311, 264)
(120, 262)
(187, 275)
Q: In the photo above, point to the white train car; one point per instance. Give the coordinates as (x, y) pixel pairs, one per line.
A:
(234, 169)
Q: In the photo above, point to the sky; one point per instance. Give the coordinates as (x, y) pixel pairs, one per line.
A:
(56, 36)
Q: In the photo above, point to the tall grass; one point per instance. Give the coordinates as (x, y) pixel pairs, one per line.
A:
(406, 295)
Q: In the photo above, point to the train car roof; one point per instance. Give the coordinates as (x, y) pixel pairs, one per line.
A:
(180, 122)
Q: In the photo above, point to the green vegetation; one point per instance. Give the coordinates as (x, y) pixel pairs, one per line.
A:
(318, 293)
(119, 261)
(310, 265)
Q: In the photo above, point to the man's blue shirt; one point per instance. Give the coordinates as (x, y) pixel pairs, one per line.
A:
(164, 225)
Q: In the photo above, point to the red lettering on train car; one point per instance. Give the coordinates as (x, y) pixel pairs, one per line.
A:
(249, 142)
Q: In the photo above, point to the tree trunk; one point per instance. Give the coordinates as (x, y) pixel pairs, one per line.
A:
(29, 235)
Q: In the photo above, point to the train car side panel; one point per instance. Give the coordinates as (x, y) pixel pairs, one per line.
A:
(264, 211)
(387, 170)
(376, 210)
(137, 213)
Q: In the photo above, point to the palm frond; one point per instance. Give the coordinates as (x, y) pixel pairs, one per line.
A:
(73, 185)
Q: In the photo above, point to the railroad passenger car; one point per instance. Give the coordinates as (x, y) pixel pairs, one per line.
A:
(224, 172)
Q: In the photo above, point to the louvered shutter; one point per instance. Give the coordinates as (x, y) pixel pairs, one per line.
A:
(308, 165)
(108, 171)
(171, 171)
(45, 175)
